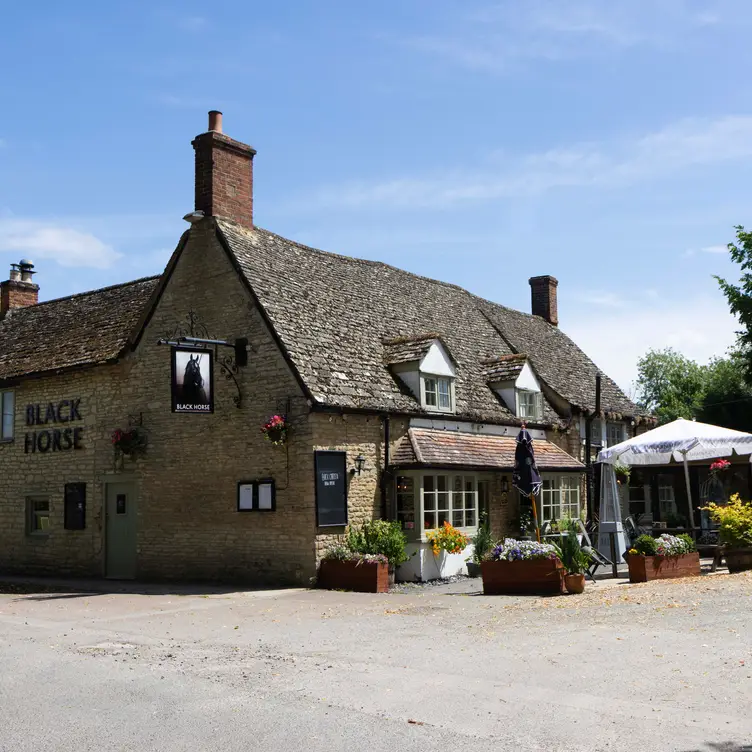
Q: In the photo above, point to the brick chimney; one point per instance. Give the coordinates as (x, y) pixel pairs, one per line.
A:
(224, 174)
(544, 302)
(18, 291)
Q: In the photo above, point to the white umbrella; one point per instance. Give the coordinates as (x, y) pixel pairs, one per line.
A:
(681, 441)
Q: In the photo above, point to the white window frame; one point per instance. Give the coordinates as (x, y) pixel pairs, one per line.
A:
(560, 496)
(7, 409)
(447, 393)
(620, 427)
(531, 399)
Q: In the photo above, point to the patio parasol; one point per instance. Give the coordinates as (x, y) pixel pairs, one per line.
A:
(526, 478)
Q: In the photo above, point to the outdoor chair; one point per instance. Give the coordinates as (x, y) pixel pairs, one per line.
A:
(596, 557)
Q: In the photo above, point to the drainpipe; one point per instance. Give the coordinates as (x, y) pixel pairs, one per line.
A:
(588, 444)
(385, 475)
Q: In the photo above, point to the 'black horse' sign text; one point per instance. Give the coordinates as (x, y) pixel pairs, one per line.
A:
(192, 380)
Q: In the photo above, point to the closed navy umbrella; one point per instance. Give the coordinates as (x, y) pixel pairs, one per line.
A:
(526, 477)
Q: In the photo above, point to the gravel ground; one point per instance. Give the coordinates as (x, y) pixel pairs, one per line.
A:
(659, 666)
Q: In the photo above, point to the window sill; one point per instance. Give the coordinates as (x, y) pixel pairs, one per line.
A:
(8, 440)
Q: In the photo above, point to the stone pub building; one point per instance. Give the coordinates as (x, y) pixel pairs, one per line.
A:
(401, 397)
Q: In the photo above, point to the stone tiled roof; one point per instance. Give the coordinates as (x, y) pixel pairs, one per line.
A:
(408, 349)
(333, 313)
(84, 329)
(431, 447)
(505, 368)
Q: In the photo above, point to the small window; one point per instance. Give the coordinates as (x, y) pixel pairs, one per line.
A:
(529, 405)
(257, 496)
(615, 433)
(37, 515)
(437, 393)
(7, 404)
(560, 497)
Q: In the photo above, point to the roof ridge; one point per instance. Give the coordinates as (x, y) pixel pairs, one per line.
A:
(502, 358)
(87, 292)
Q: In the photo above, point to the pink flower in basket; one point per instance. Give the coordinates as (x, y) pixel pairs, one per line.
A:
(275, 429)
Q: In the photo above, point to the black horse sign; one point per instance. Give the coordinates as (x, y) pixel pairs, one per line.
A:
(192, 381)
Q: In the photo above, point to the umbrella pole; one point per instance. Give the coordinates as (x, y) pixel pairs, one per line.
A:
(535, 518)
(689, 493)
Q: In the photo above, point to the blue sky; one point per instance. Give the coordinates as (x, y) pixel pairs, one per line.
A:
(606, 143)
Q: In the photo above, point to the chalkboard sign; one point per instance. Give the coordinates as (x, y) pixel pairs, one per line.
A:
(331, 488)
(75, 506)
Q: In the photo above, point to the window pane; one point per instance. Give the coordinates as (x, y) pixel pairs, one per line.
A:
(6, 430)
(442, 517)
(430, 391)
(429, 520)
(443, 500)
(458, 518)
(442, 482)
(429, 500)
(457, 482)
(444, 394)
(428, 483)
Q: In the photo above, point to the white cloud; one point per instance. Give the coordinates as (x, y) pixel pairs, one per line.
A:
(715, 249)
(65, 245)
(699, 328)
(499, 37)
(686, 144)
(601, 299)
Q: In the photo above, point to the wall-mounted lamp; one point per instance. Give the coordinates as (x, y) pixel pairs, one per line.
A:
(504, 485)
(360, 463)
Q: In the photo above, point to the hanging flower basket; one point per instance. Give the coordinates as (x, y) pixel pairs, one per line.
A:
(128, 443)
(275, 430)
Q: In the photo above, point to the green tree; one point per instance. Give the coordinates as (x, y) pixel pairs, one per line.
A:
(727, 399)
(740, 296)
(670, 385)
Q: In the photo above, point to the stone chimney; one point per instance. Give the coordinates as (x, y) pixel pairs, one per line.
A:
(224, 174)
(544, 302)
(18, 291)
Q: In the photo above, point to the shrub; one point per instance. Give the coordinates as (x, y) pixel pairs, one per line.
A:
(645, 545)
(482, 540)
(340, 552)
(378, 537)
(574, 559)
(734, 520)
(447, 538)
(514, 550)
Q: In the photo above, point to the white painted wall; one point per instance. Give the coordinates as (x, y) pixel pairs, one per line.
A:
(509, 395)
(527, 379)
(423, 566)
(437, 362)
(408, 374)
(441, 424)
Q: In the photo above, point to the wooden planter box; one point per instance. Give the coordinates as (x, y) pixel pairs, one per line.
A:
(536, 576)
(368, 577)
(645, 568)
(738, 559)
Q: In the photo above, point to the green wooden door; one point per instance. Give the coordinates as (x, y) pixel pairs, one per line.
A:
(120, 544)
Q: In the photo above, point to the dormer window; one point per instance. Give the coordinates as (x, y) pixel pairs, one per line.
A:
(437, 393)
(529, 405)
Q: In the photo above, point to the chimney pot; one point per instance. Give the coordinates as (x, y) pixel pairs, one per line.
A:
(215, 121)
(544, 298)
(18, 291)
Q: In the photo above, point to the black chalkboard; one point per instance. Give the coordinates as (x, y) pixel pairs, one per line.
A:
(331, 488)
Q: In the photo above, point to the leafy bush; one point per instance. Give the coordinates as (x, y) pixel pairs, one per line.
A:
(665, 545)
(340, 552)
(645, 545)
(514, 550)
(482, 540)
(378, 537)
(447, 538)
(734, 520)
(574, 559)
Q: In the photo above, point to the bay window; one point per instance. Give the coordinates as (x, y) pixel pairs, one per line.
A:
(433, 498)
(560, 497)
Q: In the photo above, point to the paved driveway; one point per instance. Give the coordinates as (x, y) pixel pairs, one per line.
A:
(661, 666)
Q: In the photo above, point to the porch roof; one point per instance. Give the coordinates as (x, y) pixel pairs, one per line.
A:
(437, 448)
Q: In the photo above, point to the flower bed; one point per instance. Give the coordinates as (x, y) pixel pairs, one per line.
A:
(662, 558)
(523, 567)
(364, 575)
(735, 532)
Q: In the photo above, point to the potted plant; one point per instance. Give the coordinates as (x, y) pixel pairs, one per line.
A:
(734, 532)
(661, 558)
(523, 567)
(622, 473)
(379, 537)
(365, 558)
(131, 442)
(482, 545)
(343, 569)
(275, 430)
(446, 540)
(574, 559)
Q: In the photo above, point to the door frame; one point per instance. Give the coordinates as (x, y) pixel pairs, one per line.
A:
(109, 479)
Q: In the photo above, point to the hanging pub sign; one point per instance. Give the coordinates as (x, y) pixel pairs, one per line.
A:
(192, 380)
(331, 488)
